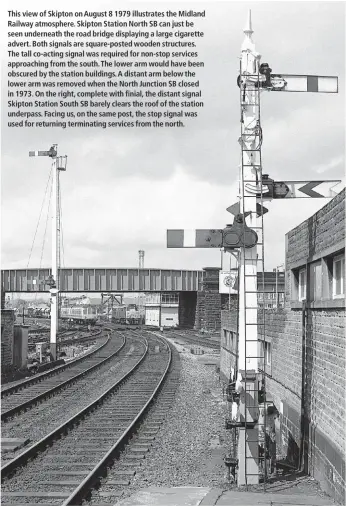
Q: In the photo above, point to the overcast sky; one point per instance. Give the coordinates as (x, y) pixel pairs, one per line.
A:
(124, 188)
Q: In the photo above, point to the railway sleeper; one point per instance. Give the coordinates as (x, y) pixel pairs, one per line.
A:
(125, 472)
(119, 483)
(67, 473)
(135, 456)
(60, 483)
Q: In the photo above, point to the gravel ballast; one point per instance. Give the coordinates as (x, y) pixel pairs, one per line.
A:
(191, 444)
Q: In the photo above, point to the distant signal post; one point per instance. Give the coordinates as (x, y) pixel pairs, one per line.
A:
(58, 164)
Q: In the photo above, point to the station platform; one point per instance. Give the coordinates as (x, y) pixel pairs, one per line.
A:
(205, 496)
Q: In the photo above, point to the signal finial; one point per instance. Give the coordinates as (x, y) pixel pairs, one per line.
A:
(248, 44)
(248, 27)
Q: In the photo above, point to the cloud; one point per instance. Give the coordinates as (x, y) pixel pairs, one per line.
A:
(132, 214)
(334, 163)
(123, 188)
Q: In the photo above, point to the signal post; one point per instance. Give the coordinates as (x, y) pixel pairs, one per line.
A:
(246, 235)
(58, 164)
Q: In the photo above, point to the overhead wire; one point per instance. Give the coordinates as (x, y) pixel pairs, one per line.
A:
(45, 231)
(39, 218)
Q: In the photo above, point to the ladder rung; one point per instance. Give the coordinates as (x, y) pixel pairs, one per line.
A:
(252, 150)
(259, 324)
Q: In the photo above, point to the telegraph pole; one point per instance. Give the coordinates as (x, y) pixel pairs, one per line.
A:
(58, 164)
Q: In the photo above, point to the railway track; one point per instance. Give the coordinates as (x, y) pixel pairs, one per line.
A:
(147, 438)
(15, 386)
(71, 460)
(77, 340)
(205, 342)
(66, 337)
(28, 393)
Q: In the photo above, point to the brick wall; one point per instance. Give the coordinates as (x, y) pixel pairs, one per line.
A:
(324, 393)
(2, 299)
(324, 406)
(317, 239)
(208, 311)
(20, 345)
(7, 331)
(209, 301)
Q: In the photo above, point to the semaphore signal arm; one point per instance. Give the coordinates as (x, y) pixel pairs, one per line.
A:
(290, 82)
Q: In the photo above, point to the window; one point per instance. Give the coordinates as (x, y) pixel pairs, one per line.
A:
(339, 277)
(224, 340)
(266, 356)
(233, 342)
(316, 281)
(267, 353)
(170, 298)
(302, 284)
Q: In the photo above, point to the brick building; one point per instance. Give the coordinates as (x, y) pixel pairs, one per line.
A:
(304, 349)
(210, 302)
(271, 295)
(7, 333)
(14, 341)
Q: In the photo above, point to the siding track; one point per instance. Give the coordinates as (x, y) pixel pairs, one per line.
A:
(25, 395)
(15, 386)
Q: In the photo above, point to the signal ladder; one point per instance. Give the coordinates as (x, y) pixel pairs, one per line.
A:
(251, 425)
(253, 264)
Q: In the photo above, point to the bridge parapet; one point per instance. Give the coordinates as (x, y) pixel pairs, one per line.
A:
(104, 280)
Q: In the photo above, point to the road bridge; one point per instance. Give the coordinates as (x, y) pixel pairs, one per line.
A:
(103, 280)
